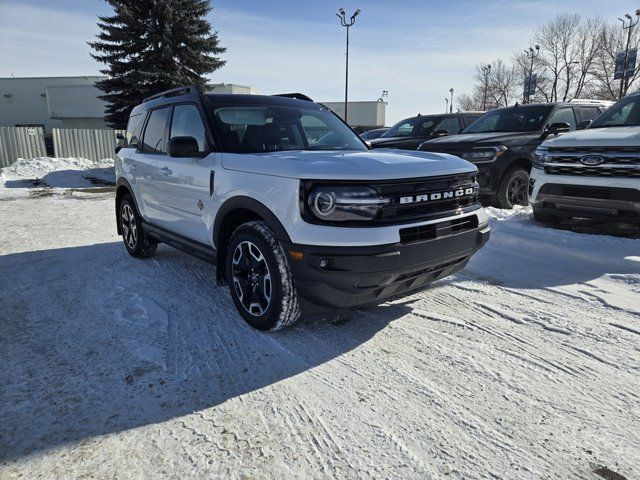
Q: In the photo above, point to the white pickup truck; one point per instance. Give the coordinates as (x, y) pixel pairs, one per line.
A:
(592, 173)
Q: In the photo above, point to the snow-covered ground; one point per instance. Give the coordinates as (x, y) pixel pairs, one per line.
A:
(54, 174)
(525, 365)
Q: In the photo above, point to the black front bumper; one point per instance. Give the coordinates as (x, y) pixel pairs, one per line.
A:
(358, 275)
(606, 204)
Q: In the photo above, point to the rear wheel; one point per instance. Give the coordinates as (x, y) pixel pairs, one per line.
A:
(514, 188)
(260, 279)
(135, 239)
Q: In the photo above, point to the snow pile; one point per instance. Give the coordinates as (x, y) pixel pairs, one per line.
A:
(46, 172)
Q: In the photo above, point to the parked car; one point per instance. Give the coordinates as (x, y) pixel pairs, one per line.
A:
(233, 179)
(411, 132)
(502, 144)
(593, 173)
(375, 133)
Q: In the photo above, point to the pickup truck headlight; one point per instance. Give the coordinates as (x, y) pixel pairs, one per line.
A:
(340, 204)
(540, 157)
(484, 154)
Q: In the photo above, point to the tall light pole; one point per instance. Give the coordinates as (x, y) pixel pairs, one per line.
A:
(628, 26)
(531, 55)
(347, 24)
(446, 105)
(486, 70)
(451, 104)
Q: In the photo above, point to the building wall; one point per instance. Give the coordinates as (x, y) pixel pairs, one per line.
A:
(36, 101)
(361, 114)
(72, 102)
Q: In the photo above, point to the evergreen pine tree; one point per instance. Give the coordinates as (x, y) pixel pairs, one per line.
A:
(150, 46)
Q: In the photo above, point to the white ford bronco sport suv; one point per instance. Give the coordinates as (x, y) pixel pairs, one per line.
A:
(289, 204)
(592, 173)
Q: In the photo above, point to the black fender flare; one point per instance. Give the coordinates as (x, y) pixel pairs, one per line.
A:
(222, 232)
(122, 182)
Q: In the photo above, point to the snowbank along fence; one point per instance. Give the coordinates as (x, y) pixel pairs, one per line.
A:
(20, 142)
(85, 143)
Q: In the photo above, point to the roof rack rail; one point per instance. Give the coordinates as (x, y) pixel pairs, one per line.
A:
(297, 96)
(174, 92)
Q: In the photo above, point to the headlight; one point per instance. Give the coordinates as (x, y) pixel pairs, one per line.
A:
(340, 204)
(540, 157)
(484, 154)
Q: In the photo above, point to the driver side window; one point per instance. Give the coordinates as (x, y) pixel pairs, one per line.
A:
(564, 115)
(451, 125)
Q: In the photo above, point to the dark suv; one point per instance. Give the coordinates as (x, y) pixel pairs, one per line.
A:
(502, 144)
(411, 132)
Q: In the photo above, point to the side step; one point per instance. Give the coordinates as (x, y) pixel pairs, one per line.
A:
(192, 247)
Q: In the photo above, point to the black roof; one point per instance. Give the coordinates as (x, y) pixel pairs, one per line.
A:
(229, 98)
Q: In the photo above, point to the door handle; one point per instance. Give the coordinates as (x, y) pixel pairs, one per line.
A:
(166, 171)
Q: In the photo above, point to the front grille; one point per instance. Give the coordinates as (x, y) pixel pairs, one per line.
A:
(621, 162)
(584, 171)
(438, 230)
(587, 192)
(397, 212)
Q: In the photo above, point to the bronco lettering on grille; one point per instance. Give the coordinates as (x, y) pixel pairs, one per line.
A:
(430, 197)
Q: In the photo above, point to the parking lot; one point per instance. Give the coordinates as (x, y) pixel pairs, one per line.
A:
(524, 365)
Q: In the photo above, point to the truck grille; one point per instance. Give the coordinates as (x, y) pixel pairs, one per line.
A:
(620, 162)
(438, 230)
(416, 210)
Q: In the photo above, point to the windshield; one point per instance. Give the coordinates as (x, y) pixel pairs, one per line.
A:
(513, 119)
(411, 127)
(270, 128)
(625, 113)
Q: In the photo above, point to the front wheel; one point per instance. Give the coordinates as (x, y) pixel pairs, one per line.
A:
(260, 279)
(513, 189)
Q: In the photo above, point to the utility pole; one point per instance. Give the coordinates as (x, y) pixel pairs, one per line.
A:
(451, 104)
(531, 54)
(446, 104)
(628, 26)
(486, 70)
(347, 24)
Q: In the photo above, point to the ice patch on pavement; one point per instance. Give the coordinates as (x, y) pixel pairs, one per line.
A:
(140, 311)
(147, 353)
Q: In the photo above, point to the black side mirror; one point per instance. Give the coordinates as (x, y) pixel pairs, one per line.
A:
(441, 133)
(184, 147)
(556, 128)
(119, 136)
(584, 124)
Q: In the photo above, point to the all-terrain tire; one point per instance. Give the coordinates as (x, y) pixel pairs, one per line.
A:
(135, 239)
(516, 178)
(260, 278)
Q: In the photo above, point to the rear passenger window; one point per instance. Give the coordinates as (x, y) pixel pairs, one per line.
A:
(186, 122)
(154, 132)
(133, 130)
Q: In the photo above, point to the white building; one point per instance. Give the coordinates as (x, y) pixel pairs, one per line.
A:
(72, 102)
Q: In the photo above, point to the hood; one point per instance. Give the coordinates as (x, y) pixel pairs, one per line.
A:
(347, 165)
(486, 139)
(598, 137)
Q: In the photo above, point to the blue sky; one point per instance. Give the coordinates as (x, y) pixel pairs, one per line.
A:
(415, 49)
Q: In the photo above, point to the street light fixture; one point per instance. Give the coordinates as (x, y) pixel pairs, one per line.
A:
(451, 104)
(347, 24)
(486, 70)
(628, 26)
(531, 54)
(446, 104)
